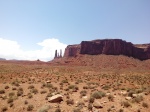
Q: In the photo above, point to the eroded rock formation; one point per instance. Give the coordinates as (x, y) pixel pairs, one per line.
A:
(108, 47)
(57, 54)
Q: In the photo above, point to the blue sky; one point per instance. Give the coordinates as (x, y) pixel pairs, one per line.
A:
(41, 26)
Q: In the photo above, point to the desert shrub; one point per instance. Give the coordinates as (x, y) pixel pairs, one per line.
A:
(79, 81)
(120, 110)
(49, 95)
(138, 110)
(98, 94)
(30, 95)
(137, 99)
(6, 87)
(14, 88)
(85, 87)
(77, 110)
(15, 83)
(91, 100)
(80, 104)
(130, 93)
(109, 110)
(70, 102)
(110, 97)
(44, 108)
(47, 85)
(34, 90)
(145, 105)
(30, 107)
(43, 92)
(25, 102)
(90, 106)
(58, 110)
(4, 109)
(31, 87)
(20, 89)
(10, 100)
(73, 87)
(83, 93)
(125, 104)
(139, 90)
(11, 94)
(19, 93)
(64, 81)
(2, 91)
(11, 104)
(106, 87)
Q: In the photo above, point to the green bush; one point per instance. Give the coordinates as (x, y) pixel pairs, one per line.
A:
(98, 94)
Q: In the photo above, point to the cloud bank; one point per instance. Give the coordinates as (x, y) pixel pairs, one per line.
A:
(11, 50)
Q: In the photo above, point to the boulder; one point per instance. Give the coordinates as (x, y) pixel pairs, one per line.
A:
(55, 98)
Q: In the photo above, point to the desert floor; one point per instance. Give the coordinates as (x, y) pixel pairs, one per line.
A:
(28, 86)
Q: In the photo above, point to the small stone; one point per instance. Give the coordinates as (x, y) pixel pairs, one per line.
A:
(97, 104)
(105, 102)
(48, 81)
(128, 98)
(107, 94)
(85, 98)
(134, 95)
(124, 93)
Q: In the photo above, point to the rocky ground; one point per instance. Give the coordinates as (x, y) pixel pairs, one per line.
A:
(101, 84)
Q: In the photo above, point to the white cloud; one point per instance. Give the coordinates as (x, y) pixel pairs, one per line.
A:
(11, 50)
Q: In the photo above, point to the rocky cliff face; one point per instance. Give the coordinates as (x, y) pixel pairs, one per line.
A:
(108, 47)
(72, 50)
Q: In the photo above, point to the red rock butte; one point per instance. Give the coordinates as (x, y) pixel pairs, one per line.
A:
(109, 47)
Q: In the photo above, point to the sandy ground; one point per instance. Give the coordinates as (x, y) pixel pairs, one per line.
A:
(124, 90)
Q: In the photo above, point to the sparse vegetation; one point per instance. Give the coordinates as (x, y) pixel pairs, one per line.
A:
(4, 109)
(98, 94)
(31, 86)
(70, 102)
(111, 97)
(2, 91)
(145, 105)
(58, 110)
(125, 104)
(30, 107)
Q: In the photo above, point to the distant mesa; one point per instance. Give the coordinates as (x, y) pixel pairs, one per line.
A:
(108, 47)
(2, 59)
